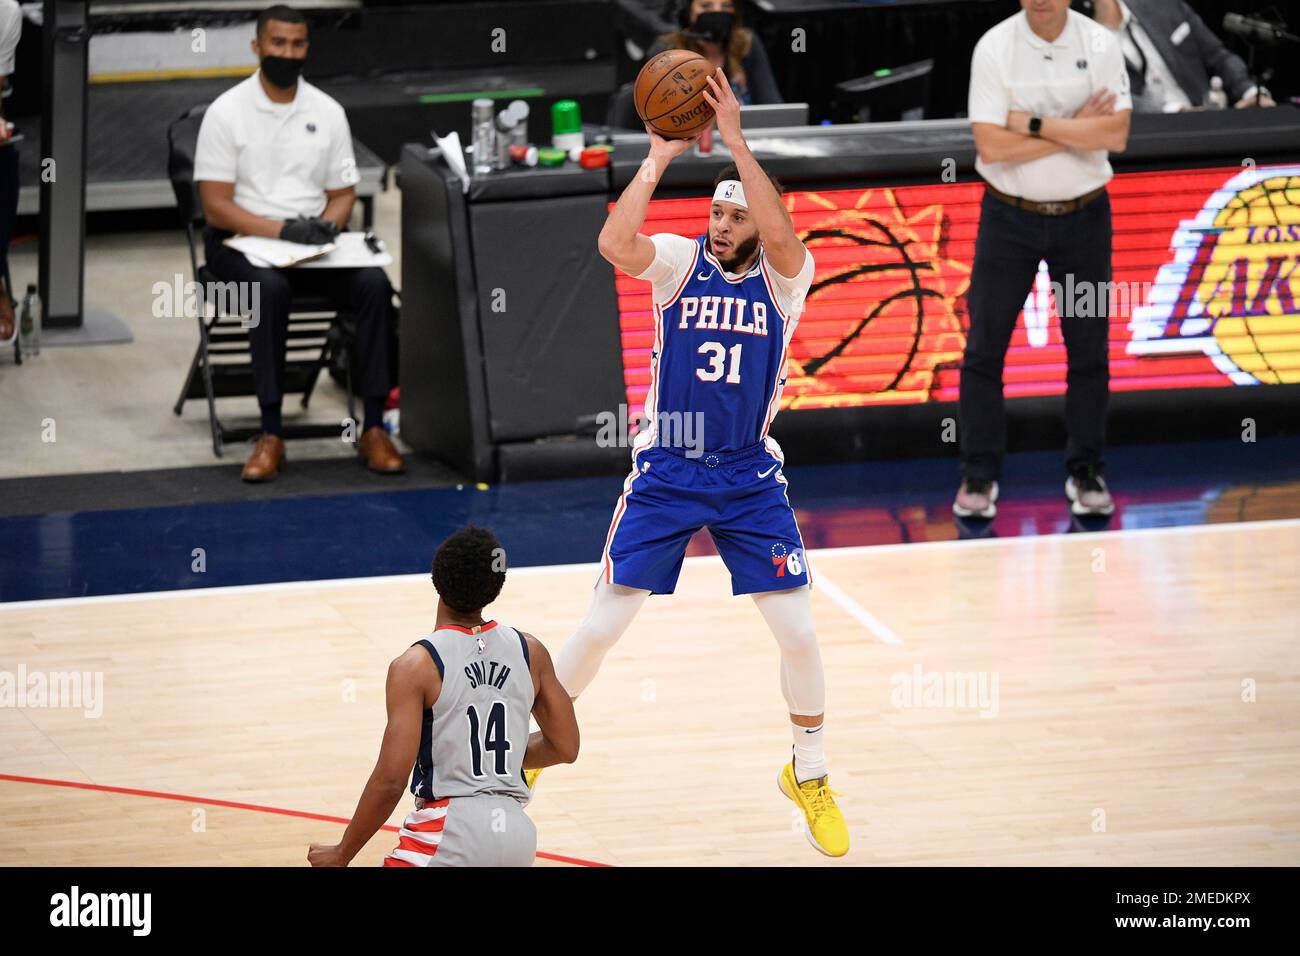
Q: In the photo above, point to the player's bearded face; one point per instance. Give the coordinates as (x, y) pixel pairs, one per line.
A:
(732, 245)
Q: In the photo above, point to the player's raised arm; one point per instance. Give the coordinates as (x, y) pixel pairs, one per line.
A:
(557, 741)
(407, 678)
(780, 243)
(621, 241)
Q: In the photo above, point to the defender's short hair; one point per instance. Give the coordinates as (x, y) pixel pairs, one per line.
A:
(469, 569)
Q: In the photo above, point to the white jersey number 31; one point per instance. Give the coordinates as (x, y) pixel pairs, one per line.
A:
(717, 358)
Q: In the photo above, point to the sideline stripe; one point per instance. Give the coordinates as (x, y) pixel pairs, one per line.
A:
(589, 566)
(235, 805)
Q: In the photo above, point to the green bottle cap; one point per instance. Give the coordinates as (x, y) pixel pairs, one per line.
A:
(551, 157)
(565, 117)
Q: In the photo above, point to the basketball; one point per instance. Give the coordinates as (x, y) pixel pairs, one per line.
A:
(669, 94)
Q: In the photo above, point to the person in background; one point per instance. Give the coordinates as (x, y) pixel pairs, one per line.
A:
(11, 29)
(640, 23)
(1048, 98)
(713, 29)
(274, 159)
(1171, 55)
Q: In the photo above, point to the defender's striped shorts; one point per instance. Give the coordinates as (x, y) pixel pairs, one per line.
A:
(483, 830)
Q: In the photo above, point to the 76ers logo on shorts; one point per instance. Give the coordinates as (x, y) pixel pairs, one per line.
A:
(787, 559)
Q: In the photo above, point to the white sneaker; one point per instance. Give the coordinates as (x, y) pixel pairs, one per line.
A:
(1088, 494)
(976, 498)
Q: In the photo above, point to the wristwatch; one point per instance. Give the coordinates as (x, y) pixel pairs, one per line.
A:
(1035, 126)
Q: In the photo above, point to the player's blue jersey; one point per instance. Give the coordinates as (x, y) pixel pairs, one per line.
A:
(720, 351)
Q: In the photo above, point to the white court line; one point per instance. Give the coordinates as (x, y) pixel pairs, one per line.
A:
(1026, 539)
(594, 566)
(854, 609)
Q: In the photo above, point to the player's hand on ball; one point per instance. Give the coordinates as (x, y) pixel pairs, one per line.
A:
(319, 854)
(666, 150)
(726, 108)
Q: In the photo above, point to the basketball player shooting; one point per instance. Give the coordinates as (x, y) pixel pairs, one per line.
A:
(458, 706)
(725, 306)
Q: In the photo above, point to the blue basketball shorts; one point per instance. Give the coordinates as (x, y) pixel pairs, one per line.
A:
(741, 498)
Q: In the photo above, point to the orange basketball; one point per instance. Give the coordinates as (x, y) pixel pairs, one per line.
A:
(669, 94)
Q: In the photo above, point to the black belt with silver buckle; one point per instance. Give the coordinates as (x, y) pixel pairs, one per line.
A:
(1061, 208)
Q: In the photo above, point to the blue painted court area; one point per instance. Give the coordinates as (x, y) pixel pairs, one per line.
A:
(563, 522)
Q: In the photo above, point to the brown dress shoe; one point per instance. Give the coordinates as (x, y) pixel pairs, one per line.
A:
(379, 453)
(8, 324)
(264, 463)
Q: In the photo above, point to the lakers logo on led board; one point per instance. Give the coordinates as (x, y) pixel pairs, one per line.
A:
(1228, 291)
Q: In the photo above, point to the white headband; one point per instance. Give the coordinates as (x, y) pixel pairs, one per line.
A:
(731, 190)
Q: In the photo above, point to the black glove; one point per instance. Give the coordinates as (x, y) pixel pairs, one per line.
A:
(309, 232)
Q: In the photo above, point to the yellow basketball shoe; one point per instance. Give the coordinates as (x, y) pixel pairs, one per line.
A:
(823, 823)
(530, 778)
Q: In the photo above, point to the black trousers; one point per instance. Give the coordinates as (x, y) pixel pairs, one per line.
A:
(1008, 248)
(366, 293)
(8, 208)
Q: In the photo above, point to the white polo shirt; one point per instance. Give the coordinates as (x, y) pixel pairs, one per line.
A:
(280, 156)
(1015, 69)
(11, 31)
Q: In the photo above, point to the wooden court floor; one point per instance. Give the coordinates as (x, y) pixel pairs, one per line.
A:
(1128, 698)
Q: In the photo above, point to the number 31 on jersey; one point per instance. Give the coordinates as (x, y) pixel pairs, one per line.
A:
(717, 356)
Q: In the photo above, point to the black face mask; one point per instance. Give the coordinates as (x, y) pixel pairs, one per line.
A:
(714, 25)
(281, 71)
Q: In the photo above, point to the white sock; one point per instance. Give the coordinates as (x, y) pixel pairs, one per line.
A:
(809, 753)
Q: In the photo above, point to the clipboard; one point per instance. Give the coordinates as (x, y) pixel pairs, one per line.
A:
(276, 253)
(350, 252)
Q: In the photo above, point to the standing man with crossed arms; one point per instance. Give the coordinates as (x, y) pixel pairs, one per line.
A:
(1049, 97)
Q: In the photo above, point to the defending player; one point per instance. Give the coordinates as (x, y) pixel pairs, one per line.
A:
(725, 305)
(458, 706)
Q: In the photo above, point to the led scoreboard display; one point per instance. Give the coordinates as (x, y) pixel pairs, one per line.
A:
(1201, 296)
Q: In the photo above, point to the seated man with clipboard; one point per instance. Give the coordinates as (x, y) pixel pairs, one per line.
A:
(274, 160)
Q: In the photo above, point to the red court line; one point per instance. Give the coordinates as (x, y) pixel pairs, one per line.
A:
(235, 805)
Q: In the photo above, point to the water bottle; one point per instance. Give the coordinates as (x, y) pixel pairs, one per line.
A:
(519, 135)
(504, 130)
(485, 143)
(1217, 99)
(704, 145)
(566, 125)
